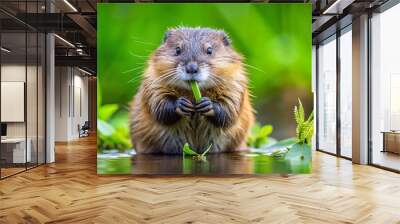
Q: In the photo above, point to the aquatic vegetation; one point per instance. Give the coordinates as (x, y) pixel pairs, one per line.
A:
(304, 133)
(112, 126)
(291, 148)
(189, 151)
(186, 148)
(259, 135)
(305, 128)
(113, 132)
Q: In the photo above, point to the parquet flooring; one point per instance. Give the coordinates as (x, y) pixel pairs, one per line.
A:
(70, 191)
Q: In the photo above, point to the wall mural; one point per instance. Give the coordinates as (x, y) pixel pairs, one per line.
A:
(204, 89)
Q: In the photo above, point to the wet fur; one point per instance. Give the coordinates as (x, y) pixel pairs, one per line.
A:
(155, 125)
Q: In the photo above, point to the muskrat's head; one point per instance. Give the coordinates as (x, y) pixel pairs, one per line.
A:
(201, 54)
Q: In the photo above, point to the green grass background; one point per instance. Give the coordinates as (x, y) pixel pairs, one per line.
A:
(275, 40)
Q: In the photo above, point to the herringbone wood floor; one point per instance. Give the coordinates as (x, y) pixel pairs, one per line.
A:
(69, 191)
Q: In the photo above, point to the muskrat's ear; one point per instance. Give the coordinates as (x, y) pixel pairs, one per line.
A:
(225, 39)
(167, 35)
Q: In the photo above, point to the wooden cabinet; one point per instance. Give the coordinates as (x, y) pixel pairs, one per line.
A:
(391, 142)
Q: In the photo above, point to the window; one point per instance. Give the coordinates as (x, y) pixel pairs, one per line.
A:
(327, 95)
(385, 89)
(346, 92)
(22, 78)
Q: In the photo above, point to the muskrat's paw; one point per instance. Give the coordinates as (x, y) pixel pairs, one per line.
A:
(205, 107)
(184, 107)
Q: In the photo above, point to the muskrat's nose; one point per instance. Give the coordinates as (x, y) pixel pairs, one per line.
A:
(192, 68)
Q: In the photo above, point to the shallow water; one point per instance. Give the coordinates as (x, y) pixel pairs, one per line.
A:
(215, 164)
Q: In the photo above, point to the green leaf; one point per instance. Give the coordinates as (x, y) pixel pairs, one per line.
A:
(279, 153)
(300, 131)
(255, 128)
(120, 119)
(265, 131)
(104, 128)
(301, 111)
(304, 129)
(308, 133)
(284, 143)
(188, 151)
(311, 117)
(106, 111)
(259, 135)
(296, 115)
(299, 151)
(251, 140)
(121, 138)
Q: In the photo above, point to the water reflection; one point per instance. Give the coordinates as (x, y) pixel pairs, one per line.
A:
(216, 164)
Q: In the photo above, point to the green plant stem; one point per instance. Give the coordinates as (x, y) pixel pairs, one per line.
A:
(205, 152)
(196, 90)
(197, 97)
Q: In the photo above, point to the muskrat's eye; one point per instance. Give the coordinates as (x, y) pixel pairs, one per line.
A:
(209, 51)
(178, 51)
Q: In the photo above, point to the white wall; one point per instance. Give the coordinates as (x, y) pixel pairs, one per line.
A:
(80, 110)
(71, 102)
(13, 100)
(62, 81)
(13, 73)
(17, 73)
(33, 126)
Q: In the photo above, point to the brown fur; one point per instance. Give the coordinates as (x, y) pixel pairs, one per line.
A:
(228, 86)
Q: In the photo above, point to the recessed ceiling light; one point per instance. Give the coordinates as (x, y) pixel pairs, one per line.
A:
(337, 7)
(70, 5)
(84, 71)
(5, 50)
(64, 40)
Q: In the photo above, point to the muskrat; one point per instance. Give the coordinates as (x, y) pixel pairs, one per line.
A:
(164, 115)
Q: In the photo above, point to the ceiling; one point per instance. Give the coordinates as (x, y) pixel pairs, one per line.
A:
(331, 15)
(75, 22)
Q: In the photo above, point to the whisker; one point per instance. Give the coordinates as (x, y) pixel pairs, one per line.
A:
(166, 76)
(145, 43)
(169, 74)
(134, 79)
(136, 55)
(133, 69)
(225, 59)
(135, 39)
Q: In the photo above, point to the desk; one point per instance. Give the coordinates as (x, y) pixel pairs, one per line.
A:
(391, 141)
(16, 147)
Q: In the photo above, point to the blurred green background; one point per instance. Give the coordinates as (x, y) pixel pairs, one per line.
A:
(275, 40)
